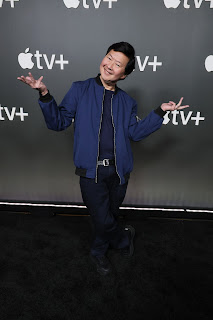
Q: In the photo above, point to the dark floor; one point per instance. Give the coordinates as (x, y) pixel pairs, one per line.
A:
(45, 271)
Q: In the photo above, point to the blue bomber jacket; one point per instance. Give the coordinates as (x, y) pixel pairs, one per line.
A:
(83, 105)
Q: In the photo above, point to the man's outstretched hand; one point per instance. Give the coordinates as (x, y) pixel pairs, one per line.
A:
(34, 84)
(171, 106)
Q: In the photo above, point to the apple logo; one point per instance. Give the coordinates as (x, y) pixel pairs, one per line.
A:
(71, 3)
(25, 59)
(172, 3)
(209, 63)
(166, 118)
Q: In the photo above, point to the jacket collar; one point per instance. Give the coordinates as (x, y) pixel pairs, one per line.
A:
(98, 81)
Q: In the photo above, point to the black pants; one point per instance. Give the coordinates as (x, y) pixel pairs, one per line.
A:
(103, 200)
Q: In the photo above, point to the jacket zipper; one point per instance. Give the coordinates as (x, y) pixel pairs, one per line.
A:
(114, 142)
(96, 176)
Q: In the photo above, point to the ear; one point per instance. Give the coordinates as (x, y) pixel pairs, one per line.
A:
(123, 77)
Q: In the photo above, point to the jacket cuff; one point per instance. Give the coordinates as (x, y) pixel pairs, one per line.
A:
(46, 98)
(160, 112)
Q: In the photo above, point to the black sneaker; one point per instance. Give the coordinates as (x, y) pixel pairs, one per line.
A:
(128, 251)
(102, 264)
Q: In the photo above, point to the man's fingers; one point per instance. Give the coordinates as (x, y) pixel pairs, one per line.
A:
(40, 79)
(22, 78)
(179, 103)
(30, 75)
(183, 107)
(29, 80)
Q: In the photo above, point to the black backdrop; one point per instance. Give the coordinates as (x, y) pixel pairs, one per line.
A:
(172, 167)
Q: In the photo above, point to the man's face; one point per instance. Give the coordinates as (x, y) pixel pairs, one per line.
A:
(112, 67)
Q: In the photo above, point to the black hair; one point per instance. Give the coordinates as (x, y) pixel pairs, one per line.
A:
(128, 50)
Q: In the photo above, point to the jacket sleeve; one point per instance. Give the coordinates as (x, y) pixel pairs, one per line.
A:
(60, 117)
(140, 129)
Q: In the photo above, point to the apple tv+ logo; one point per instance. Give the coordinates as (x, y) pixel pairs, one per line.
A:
(209, 63)
(175, 3)
(25, 60)
(180, 117)
(7, 114)
(96, 3)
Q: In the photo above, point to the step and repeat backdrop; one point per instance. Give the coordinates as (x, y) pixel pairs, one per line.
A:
(65, 41)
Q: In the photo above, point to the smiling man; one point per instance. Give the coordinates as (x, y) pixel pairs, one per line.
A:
(113, 68)
(105, 119)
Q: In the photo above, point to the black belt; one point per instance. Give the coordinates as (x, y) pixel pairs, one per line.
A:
(106, 162)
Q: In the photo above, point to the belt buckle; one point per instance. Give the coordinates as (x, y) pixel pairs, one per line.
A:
(106, 162)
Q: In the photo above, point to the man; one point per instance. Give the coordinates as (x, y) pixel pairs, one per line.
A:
(105, 120)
